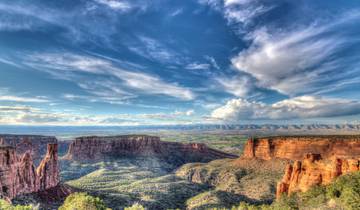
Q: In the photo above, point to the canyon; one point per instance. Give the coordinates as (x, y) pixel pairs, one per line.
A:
(268, 168)
(18, 174)
(97, 148)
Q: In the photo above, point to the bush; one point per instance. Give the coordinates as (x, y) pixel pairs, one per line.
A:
(346, 190)
(135, 207)
(4, 205)
(83, 201)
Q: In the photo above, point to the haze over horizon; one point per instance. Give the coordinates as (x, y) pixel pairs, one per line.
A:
(119, 62)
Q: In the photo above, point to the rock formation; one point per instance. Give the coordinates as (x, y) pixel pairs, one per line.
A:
(96, 148)
(314, 170)
(35, 144)
(18, 175)
(295, 147)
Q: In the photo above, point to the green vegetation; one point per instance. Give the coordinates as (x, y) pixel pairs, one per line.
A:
(232, 143)
(135, 207)
(232, 182)
(121, 183)
(343, 193)
(83, 201)
(4, 205)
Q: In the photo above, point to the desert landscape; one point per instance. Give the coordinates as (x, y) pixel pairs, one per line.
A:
(179, 105)
(142, 171)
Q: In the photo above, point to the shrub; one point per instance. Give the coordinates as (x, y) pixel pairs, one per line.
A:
(135, 207)
(83, 201)
(4, 205)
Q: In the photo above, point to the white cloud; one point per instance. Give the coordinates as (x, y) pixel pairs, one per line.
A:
(116, 4)
(294, 62)
(213, 62)
(198, 66)
(239, 86)
(67, 62)
(177, 12)
(294, 108)
(23, 99)
(238, 11)
(6, 109)
(25, 115)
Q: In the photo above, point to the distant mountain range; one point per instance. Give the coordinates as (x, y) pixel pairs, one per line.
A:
(248, 129)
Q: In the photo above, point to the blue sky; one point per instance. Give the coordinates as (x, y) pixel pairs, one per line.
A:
(117, 62)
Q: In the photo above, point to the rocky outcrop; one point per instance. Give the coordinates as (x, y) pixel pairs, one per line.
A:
(295, 147)
(48, 170)
(96, 148)
(18, 175)
(35, 144)
(314, 170)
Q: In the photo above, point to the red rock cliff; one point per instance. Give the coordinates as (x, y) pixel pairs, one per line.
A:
(18, 175)
(95, 148)
(314, 170)
(35, 144)
(295, 147)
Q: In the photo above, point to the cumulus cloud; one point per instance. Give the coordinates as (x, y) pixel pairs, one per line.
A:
(74, 63)
(239, 86)
(294, 108)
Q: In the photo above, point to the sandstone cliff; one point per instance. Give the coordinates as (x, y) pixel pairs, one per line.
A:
(18, 175)
(295, 147)
(96, 148)
(314, 170)
(35, 144)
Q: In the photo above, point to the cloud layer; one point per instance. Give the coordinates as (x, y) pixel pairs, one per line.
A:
(237, 110)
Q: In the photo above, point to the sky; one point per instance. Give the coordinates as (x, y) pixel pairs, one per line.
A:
(166, 62)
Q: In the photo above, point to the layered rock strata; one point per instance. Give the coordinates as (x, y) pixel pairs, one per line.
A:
(18, 175)
(35, 144)
(296, 147)
(314, 170)
(96, 148)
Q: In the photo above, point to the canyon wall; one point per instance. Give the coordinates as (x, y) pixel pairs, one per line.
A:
(35, 144)
(18, 174)
(296, 147)
(95, 148)
(314, 170)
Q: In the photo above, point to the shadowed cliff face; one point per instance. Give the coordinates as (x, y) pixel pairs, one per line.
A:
(18, 175)
(295, 148)
(313, 170)
(97, 148)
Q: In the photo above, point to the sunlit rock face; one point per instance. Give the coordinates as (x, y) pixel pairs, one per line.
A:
(296, 147)
(35, 144)
(18, 174)
(97, 148)
(314, 170)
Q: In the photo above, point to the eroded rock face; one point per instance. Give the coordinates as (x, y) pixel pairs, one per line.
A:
(96, 148)
(314, 170)
(18, 175)
(295, 147)
(35, 144)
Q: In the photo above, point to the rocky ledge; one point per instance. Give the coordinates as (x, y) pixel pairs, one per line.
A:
(96, 148)
(296, 147)
(314, 170)
(18, 175)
